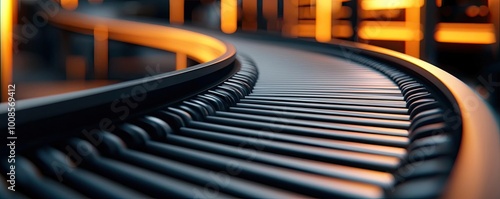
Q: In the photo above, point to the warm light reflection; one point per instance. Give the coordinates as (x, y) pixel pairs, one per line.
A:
(484, 10)
(176, 11)
(494, 10)
(307, 12)
(439, 3)
(199, 47)
(409, 30)
(75, 67)
(69, 4)
(249, 21)
(412, 46)
(390, 4)
(465, 33)
(324, 20)
(229, 16)
(305, 30)
(345, 12)
(6, 45)
(342, 29)
(95, 1)
(54, 87)
(389, 30)
(101, 52)
(474, 114)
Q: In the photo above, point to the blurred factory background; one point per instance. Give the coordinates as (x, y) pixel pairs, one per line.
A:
(460, 36)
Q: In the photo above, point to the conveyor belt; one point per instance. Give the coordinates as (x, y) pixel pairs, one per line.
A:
(287, 123)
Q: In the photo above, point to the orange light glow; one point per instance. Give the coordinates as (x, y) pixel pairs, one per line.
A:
(75, 67)
(198, 47)
(310, 2)
(324, 20)
(465, 33)
(305, 30)
(439, 3)
(69, 4)
(177, 12)
(412, 47)
(342, 29)
(101, 52)
(180, 61)
(303, 2)
(229, 16)
(6, 45)
(14, 11)
(494, 9)
(389, 30)
(249, 21)
(345, 12)
(390, 4)
(306, 12)
(270, 11)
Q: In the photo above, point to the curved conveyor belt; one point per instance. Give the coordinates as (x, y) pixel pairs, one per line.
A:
(283, 119)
